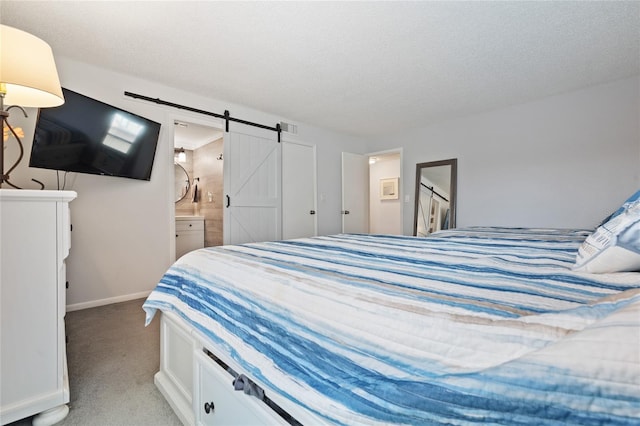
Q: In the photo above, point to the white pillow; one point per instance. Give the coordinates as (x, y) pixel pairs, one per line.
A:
(615, 245)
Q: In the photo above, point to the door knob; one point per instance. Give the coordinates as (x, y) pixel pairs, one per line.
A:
(345, 211)
(312, 212)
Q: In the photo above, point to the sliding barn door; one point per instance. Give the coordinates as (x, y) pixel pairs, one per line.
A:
(252, 182)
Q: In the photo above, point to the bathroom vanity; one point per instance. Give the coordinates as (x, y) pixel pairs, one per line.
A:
(189, 234)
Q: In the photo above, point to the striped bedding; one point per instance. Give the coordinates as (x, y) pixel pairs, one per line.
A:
(467, 326)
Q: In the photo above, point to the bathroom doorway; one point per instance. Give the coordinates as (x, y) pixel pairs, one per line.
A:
(198, 165)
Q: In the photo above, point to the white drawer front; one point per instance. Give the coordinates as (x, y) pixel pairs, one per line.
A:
(217, 403)
(189, 225)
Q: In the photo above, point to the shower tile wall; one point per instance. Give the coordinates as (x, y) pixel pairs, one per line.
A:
(208, 168)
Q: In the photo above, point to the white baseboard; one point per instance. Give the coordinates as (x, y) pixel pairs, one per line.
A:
(107, 301)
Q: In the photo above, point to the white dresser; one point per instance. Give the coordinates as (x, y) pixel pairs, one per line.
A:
(34, 243)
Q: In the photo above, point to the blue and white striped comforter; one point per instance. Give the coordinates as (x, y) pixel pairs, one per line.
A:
(478, 325)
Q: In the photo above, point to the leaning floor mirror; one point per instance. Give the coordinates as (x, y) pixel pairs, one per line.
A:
(435, 197)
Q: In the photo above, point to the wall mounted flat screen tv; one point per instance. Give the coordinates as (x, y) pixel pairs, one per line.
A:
(85, 135)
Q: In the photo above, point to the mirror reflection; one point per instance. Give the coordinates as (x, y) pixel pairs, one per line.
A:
(182, 182)
(435, 197)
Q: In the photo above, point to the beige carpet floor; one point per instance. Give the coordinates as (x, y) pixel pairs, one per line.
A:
(112, 358)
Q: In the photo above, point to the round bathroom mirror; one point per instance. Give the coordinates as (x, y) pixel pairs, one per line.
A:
(181, 182)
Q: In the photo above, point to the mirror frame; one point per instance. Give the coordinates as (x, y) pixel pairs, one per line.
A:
(453, 184)
(175, 163)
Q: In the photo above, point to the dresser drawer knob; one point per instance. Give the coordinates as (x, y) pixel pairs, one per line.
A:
(209, 407)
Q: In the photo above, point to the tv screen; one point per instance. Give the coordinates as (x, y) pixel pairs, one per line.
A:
(85, 135)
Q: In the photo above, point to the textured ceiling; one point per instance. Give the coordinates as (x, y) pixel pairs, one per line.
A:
(364, 68)
(193, 136)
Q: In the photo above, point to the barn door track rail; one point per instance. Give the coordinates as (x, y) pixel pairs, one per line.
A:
(226, 116)
(430, 188)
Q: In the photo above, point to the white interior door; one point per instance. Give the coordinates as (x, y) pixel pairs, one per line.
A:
(252, 186)
(298, 190)
(355, 193)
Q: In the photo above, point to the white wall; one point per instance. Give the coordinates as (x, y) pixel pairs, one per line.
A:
(562, 161)
(122, 240)
(384, 215)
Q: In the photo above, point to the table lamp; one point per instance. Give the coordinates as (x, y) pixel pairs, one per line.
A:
(28, 78)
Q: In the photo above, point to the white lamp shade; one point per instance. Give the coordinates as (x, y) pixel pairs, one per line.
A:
(27, 70)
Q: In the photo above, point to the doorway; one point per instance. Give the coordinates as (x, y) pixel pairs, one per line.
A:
(385, 203)
(198, 154)
(372, 192)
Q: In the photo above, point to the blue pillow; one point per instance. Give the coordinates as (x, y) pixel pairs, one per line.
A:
(615, 245)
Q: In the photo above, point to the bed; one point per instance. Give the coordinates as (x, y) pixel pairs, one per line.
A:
(472, 325)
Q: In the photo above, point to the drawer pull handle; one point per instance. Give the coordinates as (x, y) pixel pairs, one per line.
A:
(209, 407)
